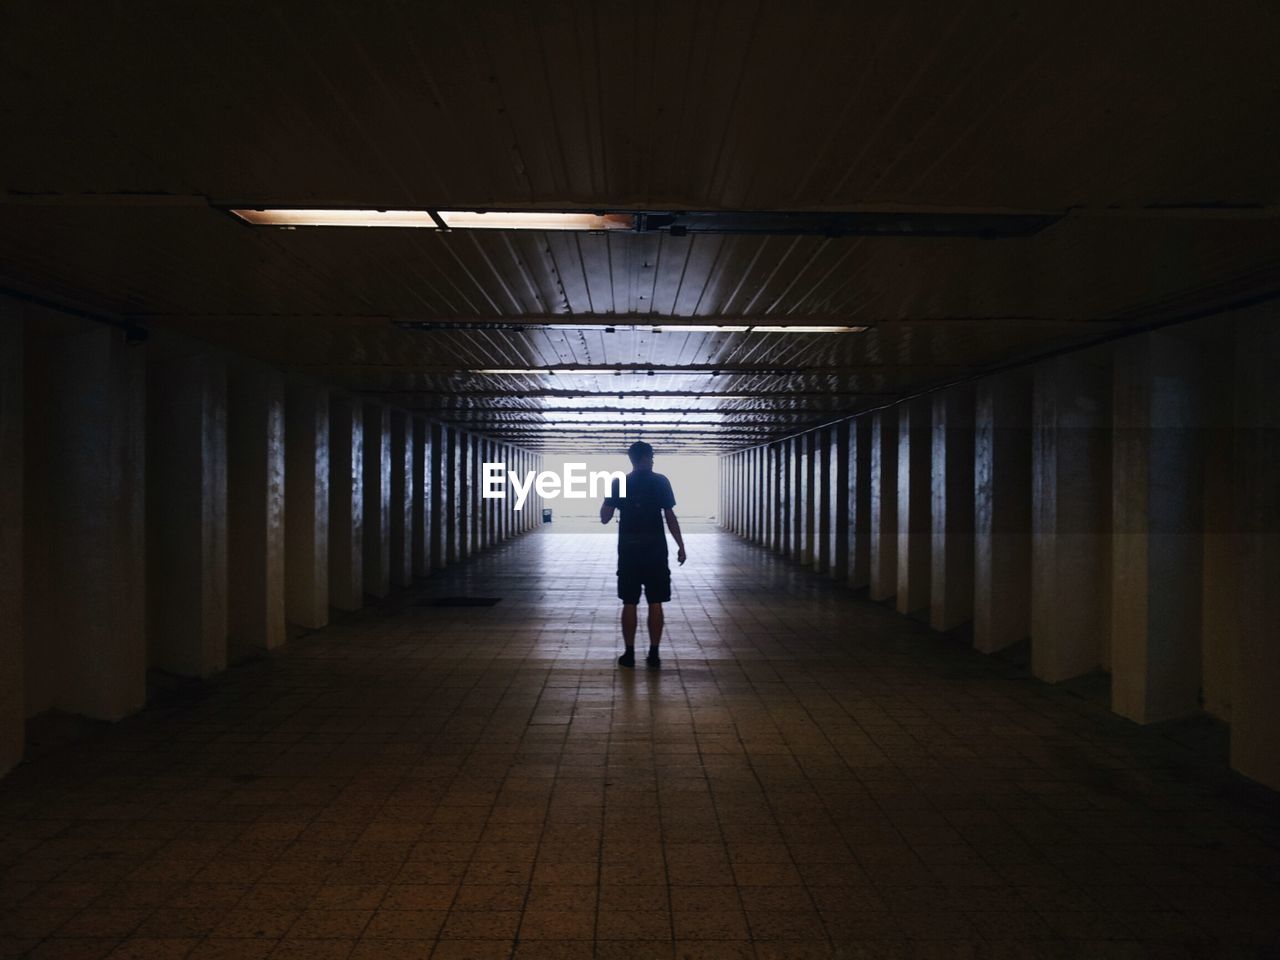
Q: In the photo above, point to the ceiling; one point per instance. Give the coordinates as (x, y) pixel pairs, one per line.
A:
(1152, 131)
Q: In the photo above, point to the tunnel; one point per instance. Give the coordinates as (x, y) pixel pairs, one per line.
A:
(328, 332)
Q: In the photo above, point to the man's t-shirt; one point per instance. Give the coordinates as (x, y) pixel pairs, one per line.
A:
(641, 530)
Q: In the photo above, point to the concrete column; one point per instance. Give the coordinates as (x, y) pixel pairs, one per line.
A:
(780, 496)
(377, 500)
(1157, 504)
(951, 510)
(466, 470)
(760, 488)
(306, 475)
(1071, 516)
(808, 513)
(786, 497)
(346, 504)
(450, 467)
(1255, 707)
(400, 518)
(915, 526)
(822, 500)
(12, 636)
(187, 514)
(488, 507)
(438, 468)
(734, 524)
(800, 550)
(861, 514)
(255, 512)
(838, 502)
(85, 529)
(1220, 608)
(884, 503)
(420, 497)
(473, 491)
(1002, 512)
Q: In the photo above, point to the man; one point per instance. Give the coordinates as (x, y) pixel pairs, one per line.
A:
(642, 548)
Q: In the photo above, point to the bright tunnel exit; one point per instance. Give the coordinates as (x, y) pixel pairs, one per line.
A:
(693, 478)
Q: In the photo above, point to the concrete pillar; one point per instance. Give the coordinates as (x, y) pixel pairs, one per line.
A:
(13, 632)
(464, 468)
(1255, 707)
(767, 497)
(822, 500)
(187, 514)
(801, 551)
(439, 469)
(1002, 512)
(758, 494)
(255, 512)
(1157, 497)
(808, 495)
(377, 500)
(451, 519)
(1071, 516)
(884, 503)
(778, 502)
(951, 510)
(732, 474)
(85, 529)
(1220, 608)
(487, 512)
(786, 498)
(346, 504)
(915, 526)
(306, 506)
(861, 516)
(420, 496)
(838, 502)
(473, 492)
(400, 518)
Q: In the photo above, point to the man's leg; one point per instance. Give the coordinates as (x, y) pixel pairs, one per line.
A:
(629, 625)
(655, 626)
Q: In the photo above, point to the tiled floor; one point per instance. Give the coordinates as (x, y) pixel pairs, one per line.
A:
(809, 776)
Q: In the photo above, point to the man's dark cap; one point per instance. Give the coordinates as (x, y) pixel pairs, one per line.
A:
(639, 451)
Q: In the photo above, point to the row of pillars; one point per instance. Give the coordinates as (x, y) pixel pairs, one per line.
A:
(1118, 507)
(165, 507)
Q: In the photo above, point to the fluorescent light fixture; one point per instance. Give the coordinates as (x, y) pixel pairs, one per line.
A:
(535, 220)
(435, 220)
(754, 328)
(597, 372)
(338, 218)
(698, 328)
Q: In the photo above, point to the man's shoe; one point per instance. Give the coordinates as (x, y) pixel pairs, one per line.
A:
(653, 661)
(628, 659)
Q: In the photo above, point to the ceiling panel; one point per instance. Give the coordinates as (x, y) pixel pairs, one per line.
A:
(127, 125)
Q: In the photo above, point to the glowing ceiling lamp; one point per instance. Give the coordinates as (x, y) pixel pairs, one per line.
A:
(535, 220)
(436, 219)
(753, 328)
(337, 218)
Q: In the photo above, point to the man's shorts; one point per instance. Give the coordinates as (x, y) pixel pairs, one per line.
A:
(648, 572)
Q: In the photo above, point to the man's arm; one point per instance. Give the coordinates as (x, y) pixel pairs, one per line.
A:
(610, 504)
(674, 526)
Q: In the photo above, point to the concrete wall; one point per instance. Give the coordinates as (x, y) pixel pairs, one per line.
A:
(12, 628)
(1118, 507)
(168, 506)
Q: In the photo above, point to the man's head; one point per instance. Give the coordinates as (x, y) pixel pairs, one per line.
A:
(641, 455)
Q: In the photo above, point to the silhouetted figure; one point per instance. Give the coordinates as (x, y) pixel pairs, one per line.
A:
(642, 548)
